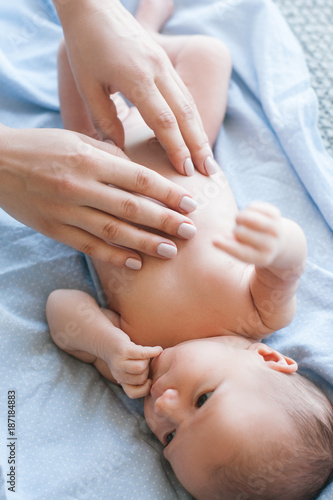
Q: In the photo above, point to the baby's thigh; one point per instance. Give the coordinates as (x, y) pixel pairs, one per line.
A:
(204, 59)
(204, 64)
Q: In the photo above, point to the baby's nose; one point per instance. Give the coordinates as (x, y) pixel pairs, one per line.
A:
(167, 404)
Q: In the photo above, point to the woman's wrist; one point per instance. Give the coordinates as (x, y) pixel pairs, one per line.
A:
(72, 9)
(5, 133)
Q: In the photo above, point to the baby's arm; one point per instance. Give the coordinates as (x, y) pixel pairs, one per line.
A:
(82, 329)
(277, 248)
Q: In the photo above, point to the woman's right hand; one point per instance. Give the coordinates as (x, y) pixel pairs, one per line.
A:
(110, 51)
(81, 192)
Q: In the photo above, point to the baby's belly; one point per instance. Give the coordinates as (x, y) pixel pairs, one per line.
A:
(201, 291)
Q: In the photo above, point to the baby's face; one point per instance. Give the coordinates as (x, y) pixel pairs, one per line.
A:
(204, 405)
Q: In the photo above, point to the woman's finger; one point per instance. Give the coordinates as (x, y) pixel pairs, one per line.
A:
(103, 114)
(138, 210)
(159, 116)
(116, 169)
(93, 246)
(189, 124)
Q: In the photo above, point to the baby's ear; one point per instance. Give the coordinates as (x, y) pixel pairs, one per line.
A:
(274, 359)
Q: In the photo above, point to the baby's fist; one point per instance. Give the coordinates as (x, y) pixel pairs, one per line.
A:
(130, 367)
(257, 237)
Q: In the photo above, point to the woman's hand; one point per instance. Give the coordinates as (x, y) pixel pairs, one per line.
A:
(66, 186)
(109, 51)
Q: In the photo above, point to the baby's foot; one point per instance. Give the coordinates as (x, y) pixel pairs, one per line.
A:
(152, 14)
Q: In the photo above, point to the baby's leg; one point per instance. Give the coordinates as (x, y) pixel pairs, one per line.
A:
(152, 14)
(73, 110)
(203, 63)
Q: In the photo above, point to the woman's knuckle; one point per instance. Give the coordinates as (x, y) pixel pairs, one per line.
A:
(147, 245)
(166, 119)
(169, 197)
(186, 112)
(129, 208)
(111, 231)
(88, 248)
(158, 59)
(142, 179)
(66, 186)
(165, 222)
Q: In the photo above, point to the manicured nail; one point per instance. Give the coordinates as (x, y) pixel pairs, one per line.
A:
(188, 204)
(211, 166)
(186, 230)
(188, 167)
(134, 264)
(165, 250)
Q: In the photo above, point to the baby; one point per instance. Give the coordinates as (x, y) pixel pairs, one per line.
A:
(236, 420)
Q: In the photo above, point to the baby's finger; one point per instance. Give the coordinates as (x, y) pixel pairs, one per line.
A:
(265, 208)
(147, 352)
(255, 239)
(230, 245)
(137, 391)
(143, 352)
(240, 251)
(133, 379)
(237, 249)
(257, 221)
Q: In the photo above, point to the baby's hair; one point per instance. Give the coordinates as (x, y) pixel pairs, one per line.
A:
(295, 466)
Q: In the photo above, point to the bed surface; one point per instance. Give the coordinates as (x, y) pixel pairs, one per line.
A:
(311, 22)
(78, 436)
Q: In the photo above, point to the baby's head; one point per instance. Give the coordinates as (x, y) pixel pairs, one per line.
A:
(238, 423)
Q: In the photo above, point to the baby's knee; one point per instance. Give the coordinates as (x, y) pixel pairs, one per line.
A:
(62, 52)
(212, 51)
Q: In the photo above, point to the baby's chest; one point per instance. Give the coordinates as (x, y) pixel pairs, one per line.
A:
(187, 305)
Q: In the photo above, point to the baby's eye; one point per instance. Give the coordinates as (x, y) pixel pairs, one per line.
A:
(203, 398)
(169, 437)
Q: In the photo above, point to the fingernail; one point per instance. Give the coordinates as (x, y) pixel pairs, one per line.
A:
(166, 250)
(186, 230)
(211, 166)
(188, 204)
(188, 167)
(134, 264)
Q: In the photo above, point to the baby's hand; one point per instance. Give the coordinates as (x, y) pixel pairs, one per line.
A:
(129, 365)
(258, 235)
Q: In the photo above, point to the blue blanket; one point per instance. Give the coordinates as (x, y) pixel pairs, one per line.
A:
(76, 436)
